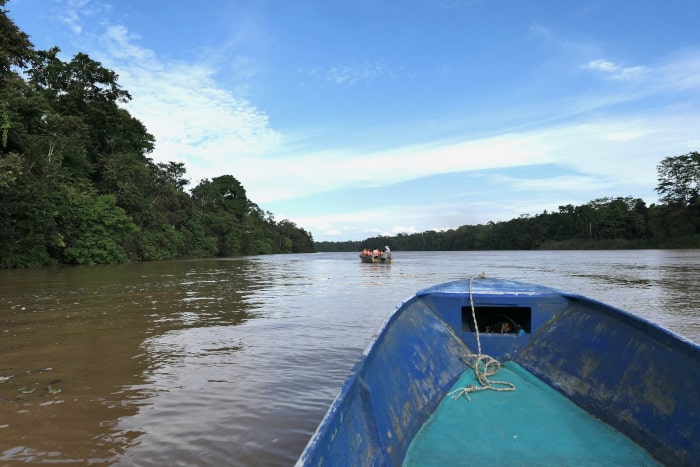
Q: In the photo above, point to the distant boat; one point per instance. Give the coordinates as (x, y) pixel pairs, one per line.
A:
(375, 256)
(493, 372)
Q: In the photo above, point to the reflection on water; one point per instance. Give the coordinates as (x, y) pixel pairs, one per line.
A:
(211, 362)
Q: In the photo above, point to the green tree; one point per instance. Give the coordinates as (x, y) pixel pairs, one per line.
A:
(93, 229)
(77, 185)
(223, 193)
(679, 179)
(165, 213)
(294, 238)
(223, 204)
(15, 47)
(84, 89)
(28, 229)
(15, 51)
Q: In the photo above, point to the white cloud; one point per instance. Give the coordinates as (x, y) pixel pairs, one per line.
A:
(193, 118)
(74, 12)
(595, 148)
(373, 222)
(601, 65)
(612, 157)
(682, 72)
(405, 229)
(609, 150)
(214, 132)
(349, 75)
(617, 72)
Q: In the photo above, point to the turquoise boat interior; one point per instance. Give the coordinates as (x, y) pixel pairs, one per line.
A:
(531, 425)
(593, 385)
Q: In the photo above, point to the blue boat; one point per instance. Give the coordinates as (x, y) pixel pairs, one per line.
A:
(492, 372)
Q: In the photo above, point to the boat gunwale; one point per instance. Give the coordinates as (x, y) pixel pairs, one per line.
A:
(492, 288)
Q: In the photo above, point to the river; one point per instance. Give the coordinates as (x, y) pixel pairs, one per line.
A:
(235, 361)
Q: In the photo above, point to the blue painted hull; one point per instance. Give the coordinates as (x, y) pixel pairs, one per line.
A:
(637, 378)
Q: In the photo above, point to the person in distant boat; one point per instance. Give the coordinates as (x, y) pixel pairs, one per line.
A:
(375, 253)
(387, 252)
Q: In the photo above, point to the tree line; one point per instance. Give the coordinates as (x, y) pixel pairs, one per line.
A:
(605, 223)
(77, 185)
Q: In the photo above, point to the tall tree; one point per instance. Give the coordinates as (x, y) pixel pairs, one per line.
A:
(93, 230)
(84, 89)
(224, 192)
(679, 179)
(15, 47)
(15, 51)
(224, 205)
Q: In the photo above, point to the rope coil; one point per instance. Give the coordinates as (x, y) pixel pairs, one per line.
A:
(484, 366)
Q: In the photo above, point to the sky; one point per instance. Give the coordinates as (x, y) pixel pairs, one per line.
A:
(358, 118)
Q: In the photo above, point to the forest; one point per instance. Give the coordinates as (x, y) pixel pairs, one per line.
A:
(605, 223)
(77, 185)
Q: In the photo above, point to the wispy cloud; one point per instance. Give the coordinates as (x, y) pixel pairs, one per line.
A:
(196, 121)
(344, 224)
(599, 136)
(678, 73)
(73, 12)
(615, 71)
(552, 39)
(350, 75)
(682, 72)
(192, 117)
(602, 155)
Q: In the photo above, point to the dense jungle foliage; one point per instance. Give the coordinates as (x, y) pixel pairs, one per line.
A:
(77, 185)
(605, 223)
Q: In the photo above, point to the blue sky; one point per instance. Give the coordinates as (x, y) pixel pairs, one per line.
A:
(356, 118)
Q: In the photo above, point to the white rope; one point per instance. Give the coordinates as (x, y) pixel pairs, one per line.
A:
(483, 365)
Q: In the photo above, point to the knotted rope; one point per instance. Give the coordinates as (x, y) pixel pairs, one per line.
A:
(484, 366)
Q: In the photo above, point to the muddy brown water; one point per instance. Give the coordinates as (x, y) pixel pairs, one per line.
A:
(235, 361)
